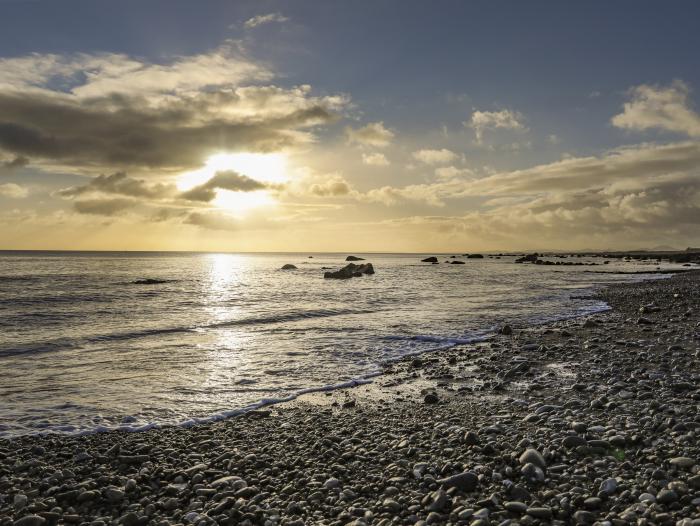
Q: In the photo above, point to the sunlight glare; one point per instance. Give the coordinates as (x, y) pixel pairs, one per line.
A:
(266, 167)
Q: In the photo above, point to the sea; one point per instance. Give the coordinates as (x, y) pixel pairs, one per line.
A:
(95, 341)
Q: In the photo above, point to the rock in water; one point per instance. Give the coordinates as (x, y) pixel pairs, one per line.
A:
(457, 262)
(289, 266)
(354, 258)
(506, 330)
(431, 398)
(431, 259)
(475, 256)
(530, 258)
(351, 271)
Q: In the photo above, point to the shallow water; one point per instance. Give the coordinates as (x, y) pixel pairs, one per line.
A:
(83, 348)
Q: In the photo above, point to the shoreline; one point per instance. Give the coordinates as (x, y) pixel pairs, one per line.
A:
(607, 401)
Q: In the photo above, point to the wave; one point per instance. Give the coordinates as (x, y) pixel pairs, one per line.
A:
(289, 316)
(58, 345)
(10, 279)
(131, 424)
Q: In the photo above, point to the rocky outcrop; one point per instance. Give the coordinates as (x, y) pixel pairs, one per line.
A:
(431, 259)
(354, 258)
(475, 256)
(351, 271)
(289, 266)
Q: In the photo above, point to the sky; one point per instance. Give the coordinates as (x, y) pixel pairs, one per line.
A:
(391, 126)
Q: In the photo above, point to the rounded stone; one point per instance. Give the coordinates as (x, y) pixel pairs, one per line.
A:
(532, 456)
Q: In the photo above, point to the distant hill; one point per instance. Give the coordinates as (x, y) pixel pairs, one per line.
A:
(660, 248)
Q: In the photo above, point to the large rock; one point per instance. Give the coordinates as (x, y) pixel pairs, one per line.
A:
(475, 256)
(530, 258)
(354, 258)
(431, 259)
(351, 271)
(289, 266)
(466, 481)
(533, 456)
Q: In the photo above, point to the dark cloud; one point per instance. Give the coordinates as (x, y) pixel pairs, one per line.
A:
(225, 180)
(121, 184)
(13, 164)
(131, 132)
(212, 221)
(103, 207)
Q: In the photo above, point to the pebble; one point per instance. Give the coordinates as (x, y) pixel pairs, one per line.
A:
(682, 462)
(532, 456)
(540, 513)
(30, 520)
(466, 481)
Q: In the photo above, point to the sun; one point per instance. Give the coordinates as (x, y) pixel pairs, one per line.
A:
(264, 167)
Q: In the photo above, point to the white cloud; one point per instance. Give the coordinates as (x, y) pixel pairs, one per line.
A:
(665, 108)
(96, 75)
(265, 19)
(13, 191)
(489, 120)
(452, 172)
(375, 159)
(390, 195)
(333, 185)
(373, 134)
(442, 156)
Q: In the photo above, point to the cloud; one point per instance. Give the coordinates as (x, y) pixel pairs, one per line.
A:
(99, 75)
(13, 164)
(265, 19)
(452, 172)
(665, 108)
(373, 134)
(13, 191)
(103, 207)
(375, 159)
(489, 120)
(442, 156)
(126, 114)
(224, 180)
(430, 194)
(333, 186)
(121, 184)
(212, 221)
(630, 166)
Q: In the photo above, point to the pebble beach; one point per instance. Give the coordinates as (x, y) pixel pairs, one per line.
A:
(591, 420)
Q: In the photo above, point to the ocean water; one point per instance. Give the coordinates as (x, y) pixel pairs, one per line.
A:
(84, 348)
